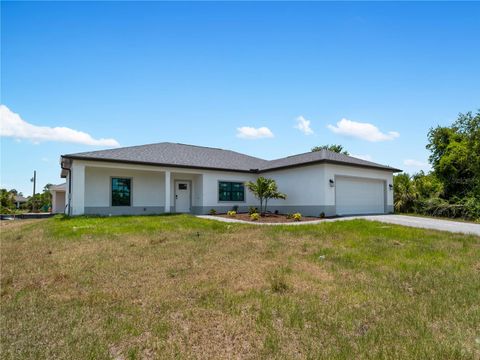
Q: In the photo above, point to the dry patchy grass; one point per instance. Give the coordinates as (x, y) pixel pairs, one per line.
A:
(182, 287)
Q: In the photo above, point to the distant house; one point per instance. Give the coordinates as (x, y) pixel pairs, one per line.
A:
(58, 198)
(20, 200)
(179, 178)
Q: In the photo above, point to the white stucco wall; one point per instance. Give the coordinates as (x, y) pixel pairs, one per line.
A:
(210, 188)
(306, 186)
(303, 185)
(147, 187)
(148, 184)
(78, 189)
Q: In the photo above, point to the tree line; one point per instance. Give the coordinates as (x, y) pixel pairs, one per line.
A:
(452, 187)
(39, 202)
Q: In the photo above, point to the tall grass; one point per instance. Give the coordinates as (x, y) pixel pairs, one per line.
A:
(183, 287)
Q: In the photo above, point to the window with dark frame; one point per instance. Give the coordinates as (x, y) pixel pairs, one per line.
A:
(231, 191)
(121, 192)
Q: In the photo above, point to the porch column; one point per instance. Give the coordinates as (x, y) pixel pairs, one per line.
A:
(54, 201)
(167, 191)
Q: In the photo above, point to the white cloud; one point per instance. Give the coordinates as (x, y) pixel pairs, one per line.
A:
(303, 125)
(365, 131)
(12, 125)
(363, 157)
(415, 163)
(247, 132)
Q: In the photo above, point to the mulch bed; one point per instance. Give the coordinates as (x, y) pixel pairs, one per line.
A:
(268, 218)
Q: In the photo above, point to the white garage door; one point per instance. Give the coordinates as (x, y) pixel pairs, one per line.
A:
(359, 196)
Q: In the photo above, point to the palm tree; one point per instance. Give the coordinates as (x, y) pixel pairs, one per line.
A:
(273, 192)
(405, 193)
(265, 189)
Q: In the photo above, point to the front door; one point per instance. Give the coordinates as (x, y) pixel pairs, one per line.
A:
(182, 196)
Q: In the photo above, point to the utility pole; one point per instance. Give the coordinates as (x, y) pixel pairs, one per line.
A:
(34, 180)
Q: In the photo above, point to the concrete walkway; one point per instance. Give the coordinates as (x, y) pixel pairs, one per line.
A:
(412, 221)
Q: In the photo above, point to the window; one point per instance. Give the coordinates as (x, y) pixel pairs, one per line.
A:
(231, 191)
(121, 192)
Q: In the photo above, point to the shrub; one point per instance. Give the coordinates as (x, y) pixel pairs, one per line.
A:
(254, 216)
(235, 208)
(252, 210)
(289, 216)
(231, 213)
(472, 208)
(276, 212)
(212, 212)
(322, 215)
(467, 208)
(297, 216)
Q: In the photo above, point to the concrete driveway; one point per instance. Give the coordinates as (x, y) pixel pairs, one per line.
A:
(426, 223)
(412, 221)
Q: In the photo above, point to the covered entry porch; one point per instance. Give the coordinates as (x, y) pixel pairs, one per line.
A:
(110, 189)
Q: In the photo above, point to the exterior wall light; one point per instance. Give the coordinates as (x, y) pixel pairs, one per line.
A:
(390, 186)
(332, 183)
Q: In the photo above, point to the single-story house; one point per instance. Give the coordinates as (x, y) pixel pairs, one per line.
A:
(58, 198)
(20, 201)
(179, 178)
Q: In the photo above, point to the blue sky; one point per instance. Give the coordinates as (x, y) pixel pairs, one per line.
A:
(196, 73)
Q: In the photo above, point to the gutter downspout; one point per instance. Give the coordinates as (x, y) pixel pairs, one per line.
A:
(69, 186)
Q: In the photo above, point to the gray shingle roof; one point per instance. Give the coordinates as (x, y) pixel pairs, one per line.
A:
(20, 198)
(178, 155)
(182, 155)
(322, 156)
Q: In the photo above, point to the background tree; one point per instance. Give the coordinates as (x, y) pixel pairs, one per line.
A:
(452, 188)
(455, 156)
(42, 201)
(7, 201)
(427, 185)
(334, 147)
(264, 189)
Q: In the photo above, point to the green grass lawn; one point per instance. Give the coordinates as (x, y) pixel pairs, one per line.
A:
(183, 287)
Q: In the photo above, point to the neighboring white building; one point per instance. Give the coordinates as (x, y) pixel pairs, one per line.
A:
(168, 177)
(58, 198)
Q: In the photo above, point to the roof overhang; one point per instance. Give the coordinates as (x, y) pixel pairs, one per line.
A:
(327, 161)
(66, 162)
(85, 158)
(60, 187)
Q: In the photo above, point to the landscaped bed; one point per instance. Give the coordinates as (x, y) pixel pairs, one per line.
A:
(269, 218)
(182, 287)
